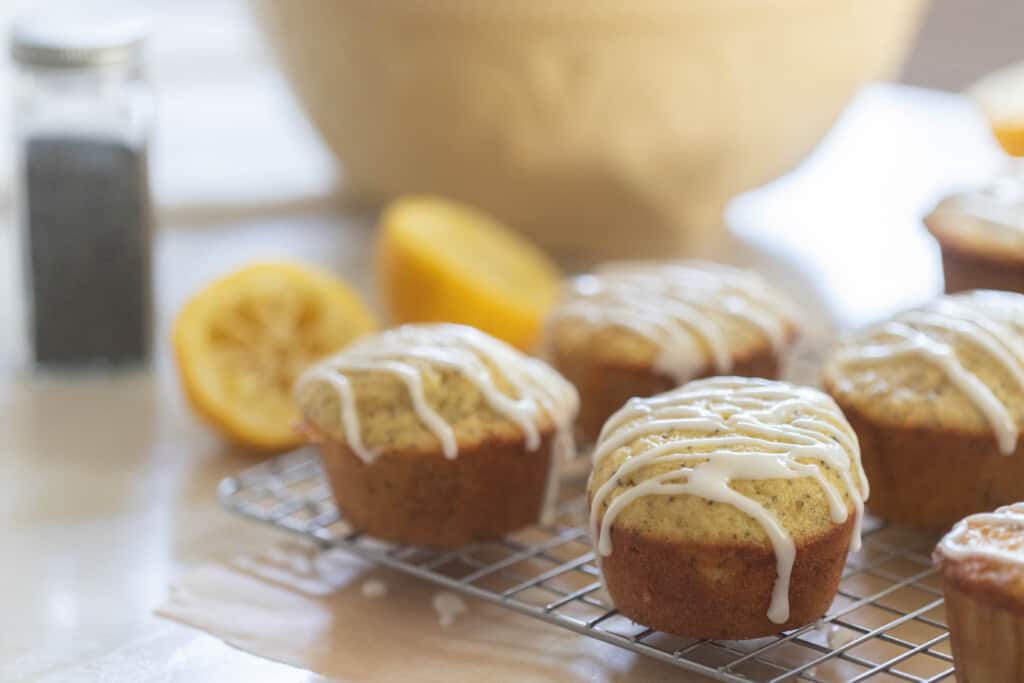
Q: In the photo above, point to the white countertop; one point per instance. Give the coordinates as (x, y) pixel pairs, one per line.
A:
(107, 486)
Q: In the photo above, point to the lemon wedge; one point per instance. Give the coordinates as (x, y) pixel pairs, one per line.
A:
(446, 262)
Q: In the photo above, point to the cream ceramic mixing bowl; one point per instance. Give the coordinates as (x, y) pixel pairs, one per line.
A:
(598, 127)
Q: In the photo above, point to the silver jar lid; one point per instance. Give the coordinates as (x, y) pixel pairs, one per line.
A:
(78, 35)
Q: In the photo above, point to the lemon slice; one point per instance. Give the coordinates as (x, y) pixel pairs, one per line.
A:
(443, 261)
(1001, 96)
(241, 342)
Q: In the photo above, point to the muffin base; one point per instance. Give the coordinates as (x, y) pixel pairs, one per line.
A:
(717, 591)
(931, 479)
(987, 640)
(965, 271)
(484, 493)
(604, 388)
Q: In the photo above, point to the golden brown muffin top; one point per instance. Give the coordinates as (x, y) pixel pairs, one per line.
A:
(984, 555)
(435, 387)
(980, 222)
(679, 318)
(729, 461)
(956, 364)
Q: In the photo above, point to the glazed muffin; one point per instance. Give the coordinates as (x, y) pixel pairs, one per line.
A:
(936, 396)
(981, 236)
(438, 434)
(638, 329)
(982, 566)
(725, 508)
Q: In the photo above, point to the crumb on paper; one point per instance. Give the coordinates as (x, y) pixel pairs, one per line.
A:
(374, 588)
(297, 557)
(838, 637)
(449, 607)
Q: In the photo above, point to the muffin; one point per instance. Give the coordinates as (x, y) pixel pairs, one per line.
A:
(936, 396)
(725, 508)
(981, 236)
(638, 329)
(438, 434)
(982, 565)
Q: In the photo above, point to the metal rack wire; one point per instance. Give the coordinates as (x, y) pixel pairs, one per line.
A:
(886, 624)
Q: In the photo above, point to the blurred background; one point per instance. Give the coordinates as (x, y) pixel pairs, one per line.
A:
(960, 41)
(206, 54)
(232, 146)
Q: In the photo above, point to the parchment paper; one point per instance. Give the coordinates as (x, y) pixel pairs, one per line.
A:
(304, 607)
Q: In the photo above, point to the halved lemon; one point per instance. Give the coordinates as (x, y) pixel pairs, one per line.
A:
(446, 262)
(241, 342)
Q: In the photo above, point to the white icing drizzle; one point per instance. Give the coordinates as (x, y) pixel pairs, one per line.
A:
(1001, 205)
(719, 430)
(960, 543)
(481, 359)
(838, 637)
(668, 304)
(971, 318)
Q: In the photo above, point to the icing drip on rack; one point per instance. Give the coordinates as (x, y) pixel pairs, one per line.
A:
(481, 359)
(995, 535)
(668, 304)
(972, 318)
(715, 431)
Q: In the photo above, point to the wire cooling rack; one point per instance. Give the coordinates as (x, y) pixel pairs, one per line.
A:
(886, 624)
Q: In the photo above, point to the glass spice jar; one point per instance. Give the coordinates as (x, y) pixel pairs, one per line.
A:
(83, 113)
